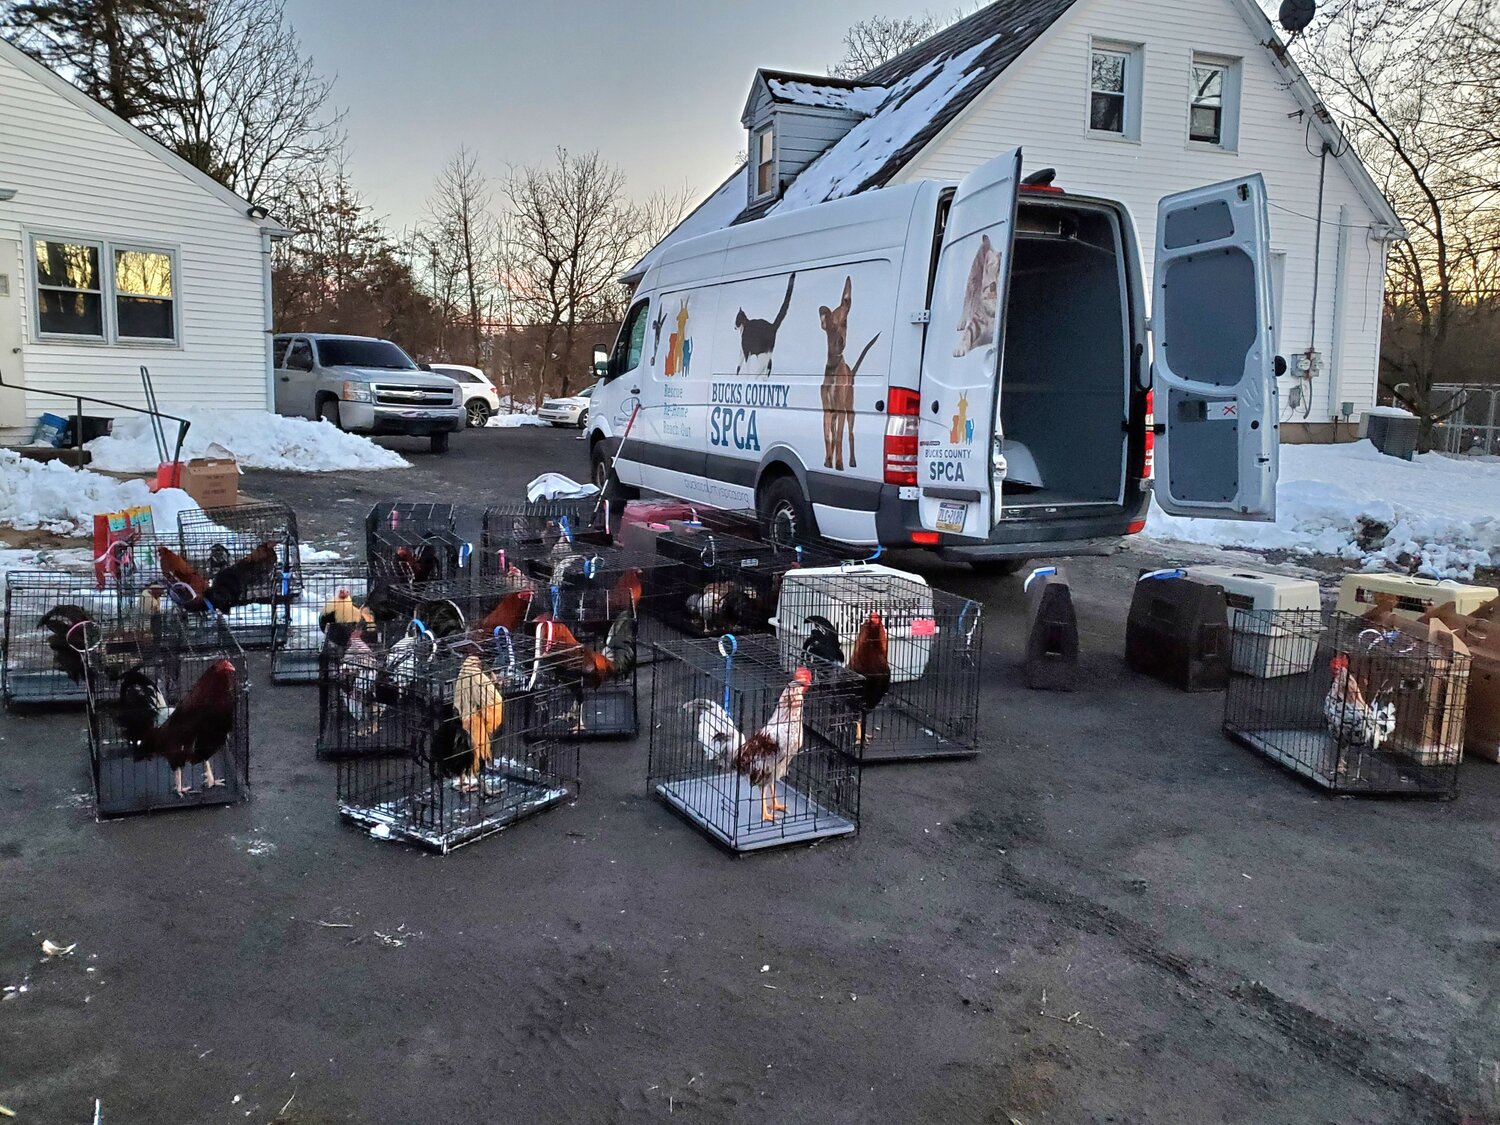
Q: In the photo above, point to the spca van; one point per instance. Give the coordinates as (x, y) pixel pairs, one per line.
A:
(963, 368)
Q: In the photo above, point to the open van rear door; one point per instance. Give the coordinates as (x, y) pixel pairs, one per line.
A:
(1214, 362)
(958, 428)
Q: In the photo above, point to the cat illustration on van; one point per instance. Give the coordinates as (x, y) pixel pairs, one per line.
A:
(981, 295)
(679, 347)
(838, 381)
(656, 325)
(758, 337)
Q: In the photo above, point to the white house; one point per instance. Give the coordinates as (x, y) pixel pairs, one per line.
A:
(115, 253)
(1125, 100)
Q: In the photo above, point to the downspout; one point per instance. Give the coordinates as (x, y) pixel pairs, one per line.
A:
(267, 317)
(1336, 343)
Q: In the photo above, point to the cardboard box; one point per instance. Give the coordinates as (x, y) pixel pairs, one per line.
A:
(1482, 634)
(212, 481)
(1430, 709)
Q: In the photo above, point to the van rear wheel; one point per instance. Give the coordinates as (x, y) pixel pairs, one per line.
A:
(786, 518)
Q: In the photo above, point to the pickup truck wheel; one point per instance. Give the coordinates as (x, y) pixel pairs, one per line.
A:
(786, 518)
(440, 443)
(479, 414)
(328, 410)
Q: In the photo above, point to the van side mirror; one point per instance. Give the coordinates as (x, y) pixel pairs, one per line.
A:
(601, 362)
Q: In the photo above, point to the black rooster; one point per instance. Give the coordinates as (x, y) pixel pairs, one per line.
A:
(66, 626)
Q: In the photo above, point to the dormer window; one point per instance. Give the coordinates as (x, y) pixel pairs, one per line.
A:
(765, 161)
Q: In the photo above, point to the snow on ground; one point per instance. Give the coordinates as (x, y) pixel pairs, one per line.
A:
(1436, 515)
(256, 439)
(74, 558)
(53, 497)
(514, 421)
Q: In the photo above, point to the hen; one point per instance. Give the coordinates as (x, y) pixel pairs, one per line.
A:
(1351, 719)
(869, 658)
(510, 613)
(764, 758)
(66, 627)
(197, 730)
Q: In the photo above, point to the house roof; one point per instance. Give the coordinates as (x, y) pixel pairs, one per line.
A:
(819, 91)
(61, 86)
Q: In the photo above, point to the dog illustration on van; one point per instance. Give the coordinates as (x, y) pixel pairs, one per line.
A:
(758, 337)
(981, 295)
(963, 426)
(838, 381)
(679, 347)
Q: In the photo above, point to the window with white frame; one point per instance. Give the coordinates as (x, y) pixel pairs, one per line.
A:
(764, 153)
(1115, 90)
(1213, 101)
(86, 289)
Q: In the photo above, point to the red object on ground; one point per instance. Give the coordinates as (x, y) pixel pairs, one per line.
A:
(638, 511)
(168, 475)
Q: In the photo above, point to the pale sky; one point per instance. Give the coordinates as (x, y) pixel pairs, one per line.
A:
(656, 86)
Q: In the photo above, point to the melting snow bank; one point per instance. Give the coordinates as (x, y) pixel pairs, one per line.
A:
(53, 497)
(514, 421)
(1437, 516)
(256, 439)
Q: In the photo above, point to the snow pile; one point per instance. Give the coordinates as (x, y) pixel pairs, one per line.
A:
(74, 558)
(256, 439)
(910, 107)
(1389, 412)
(514, 421)
(53, 497)
(861, 99)
(1436, 516)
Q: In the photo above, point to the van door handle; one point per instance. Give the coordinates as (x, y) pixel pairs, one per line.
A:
(635, 390)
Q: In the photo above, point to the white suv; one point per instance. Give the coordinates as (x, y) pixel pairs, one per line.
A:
(481, 399)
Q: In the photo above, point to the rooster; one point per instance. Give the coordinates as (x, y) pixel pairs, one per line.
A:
(342, 610)
(242, 581)
(480, 709)
(764, 758)
(441, 617)
(1351, 720)
(510, 613)
(579, 667)
(628, 590)
(359, 673)
(185, 585)
(194, 732)
(67, 627)
(822, 643)
(869, 658)
(143, 708)
(726, 605)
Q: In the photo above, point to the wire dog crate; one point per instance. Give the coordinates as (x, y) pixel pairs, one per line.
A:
(754, 755)
(515, 533)
(598, 673)
(410, 516)
(246, 552)
(919, 699)
(52, 617)
(723, 582)
(369, 694)
(1360, 711)
(169, 721)
(329, 594)
(480, 752)
(458, 606)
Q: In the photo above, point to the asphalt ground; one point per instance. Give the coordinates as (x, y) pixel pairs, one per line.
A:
(1115, 914)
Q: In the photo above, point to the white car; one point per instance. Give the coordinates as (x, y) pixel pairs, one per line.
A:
(570, 411)
(481, 399)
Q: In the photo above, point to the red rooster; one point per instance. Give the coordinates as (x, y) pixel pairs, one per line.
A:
(764, 758)
(579, 667)
(509, 613)
(195, 731)
(233, 586)
(869, 658)
(185, 585)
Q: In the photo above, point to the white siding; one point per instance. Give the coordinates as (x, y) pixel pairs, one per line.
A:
(76, 175)
(1040, 103)
(803, 135)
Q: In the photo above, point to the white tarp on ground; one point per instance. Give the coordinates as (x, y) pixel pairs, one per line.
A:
(1436, 515)
(256, 439)
(53, 497)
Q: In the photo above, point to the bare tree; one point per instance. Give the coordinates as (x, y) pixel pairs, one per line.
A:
(1416, 86)
(878, 39)
(458, 238)
(571, 232)
(244, 102)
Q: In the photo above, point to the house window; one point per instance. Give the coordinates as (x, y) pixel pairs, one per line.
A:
(765, 161)
(1115, 90)
(1212, 101)
(145, 308)
(69, 289)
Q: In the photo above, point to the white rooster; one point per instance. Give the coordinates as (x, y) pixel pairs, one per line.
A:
(1351, 719)
(764, 758)
(358, 674)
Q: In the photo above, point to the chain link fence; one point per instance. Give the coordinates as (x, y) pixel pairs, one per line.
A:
(1472, 424)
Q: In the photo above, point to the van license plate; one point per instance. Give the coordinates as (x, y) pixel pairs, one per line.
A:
(952, 515)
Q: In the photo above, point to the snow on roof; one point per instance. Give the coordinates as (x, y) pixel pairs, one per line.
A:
(716, 212)
(857, 99)
(907, 109)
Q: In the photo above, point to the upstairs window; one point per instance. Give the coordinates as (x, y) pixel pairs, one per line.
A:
(1213, 101)
(1115, 90)
(69, 289)
(765, 161)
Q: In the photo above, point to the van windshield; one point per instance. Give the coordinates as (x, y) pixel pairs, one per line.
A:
(363, 353)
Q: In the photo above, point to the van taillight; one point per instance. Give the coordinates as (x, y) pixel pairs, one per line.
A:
(1148, 459)
(901, 436)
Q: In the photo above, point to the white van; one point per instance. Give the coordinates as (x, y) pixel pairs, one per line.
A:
(960, 368)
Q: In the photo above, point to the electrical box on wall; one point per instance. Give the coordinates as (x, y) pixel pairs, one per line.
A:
(1308, 364)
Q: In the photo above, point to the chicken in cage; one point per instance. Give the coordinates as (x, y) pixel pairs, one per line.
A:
(597, 674)
(470, 606)
(516, 533)
(916, 649)
(755, 755)
(52, 617)
(233, 561)
(1360, 709)
(480, 749)
(169, 721)
(328, 595)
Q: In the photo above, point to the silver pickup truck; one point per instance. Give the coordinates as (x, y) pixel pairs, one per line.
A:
(365, 386)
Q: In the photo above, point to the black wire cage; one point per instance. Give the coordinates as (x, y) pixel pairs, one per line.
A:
(918, 651)
(471, 605)
(246, 552)
(479, 753)
(1357, 709)
(756, 755)
(51, 618)
(329, 593)
(411, 544)
(516, 533)
(168, 720)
